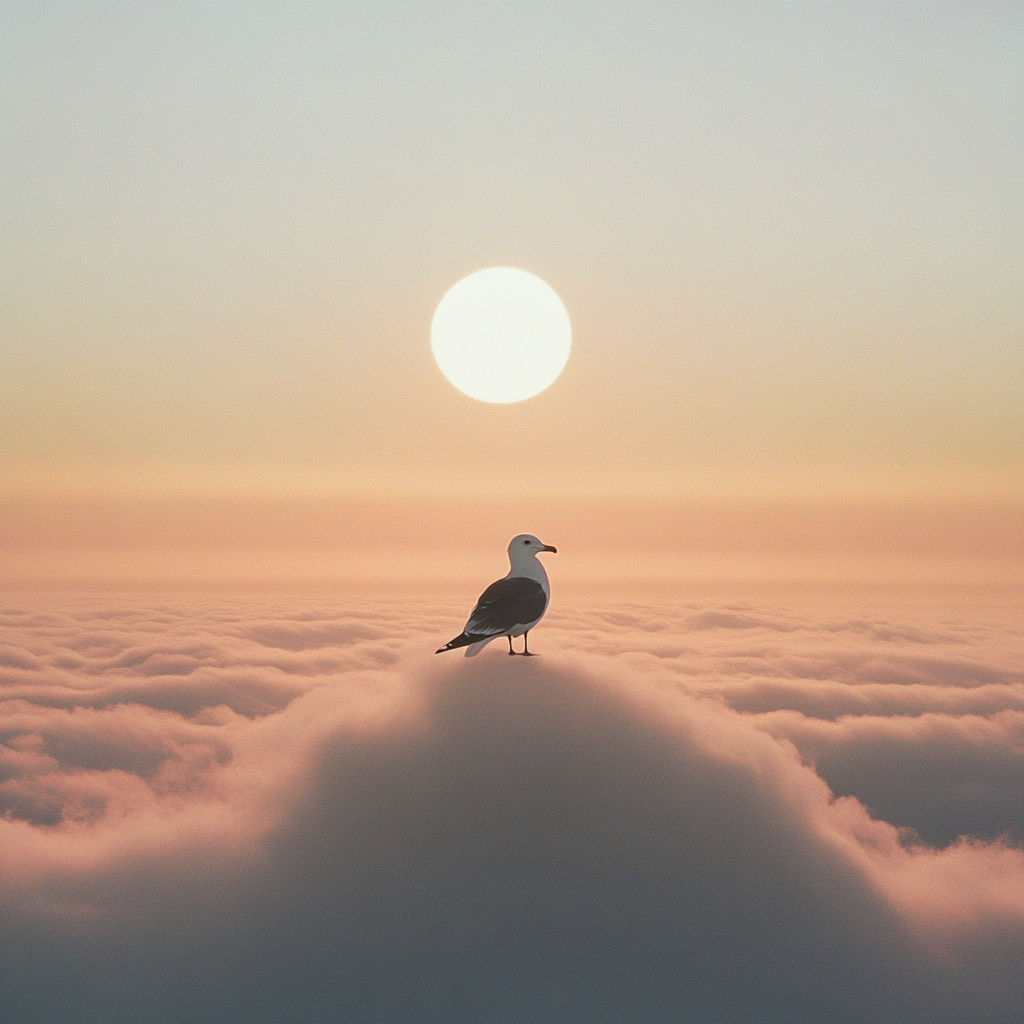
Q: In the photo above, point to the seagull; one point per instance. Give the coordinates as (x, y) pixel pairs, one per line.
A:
(512, 606)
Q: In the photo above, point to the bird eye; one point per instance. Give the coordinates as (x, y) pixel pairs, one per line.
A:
(526, 542)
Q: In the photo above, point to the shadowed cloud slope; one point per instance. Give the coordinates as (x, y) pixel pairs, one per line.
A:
(240, 808)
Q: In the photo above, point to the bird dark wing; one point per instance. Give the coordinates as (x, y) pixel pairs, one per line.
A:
(510, 602)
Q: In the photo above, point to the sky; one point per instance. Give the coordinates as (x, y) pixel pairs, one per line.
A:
(789, 239)
(768, 763)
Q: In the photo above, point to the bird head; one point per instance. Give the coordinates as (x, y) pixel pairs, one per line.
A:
(526, 546)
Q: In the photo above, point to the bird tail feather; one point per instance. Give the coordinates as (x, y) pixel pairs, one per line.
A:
(473, 643)
(471, 640)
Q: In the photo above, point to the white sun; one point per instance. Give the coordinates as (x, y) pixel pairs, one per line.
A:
(501, 335)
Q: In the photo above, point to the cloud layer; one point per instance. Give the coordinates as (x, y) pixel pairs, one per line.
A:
(235, 808)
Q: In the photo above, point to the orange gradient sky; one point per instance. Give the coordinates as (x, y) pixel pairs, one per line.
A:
(789, 239)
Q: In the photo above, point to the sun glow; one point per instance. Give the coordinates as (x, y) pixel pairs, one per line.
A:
(501, 335)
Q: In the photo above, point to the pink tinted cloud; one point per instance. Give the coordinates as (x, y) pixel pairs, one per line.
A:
(168, 738)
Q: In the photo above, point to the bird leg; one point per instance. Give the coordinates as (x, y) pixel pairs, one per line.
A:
(525, 652)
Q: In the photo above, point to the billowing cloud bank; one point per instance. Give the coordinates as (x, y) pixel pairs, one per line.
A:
(241, 809)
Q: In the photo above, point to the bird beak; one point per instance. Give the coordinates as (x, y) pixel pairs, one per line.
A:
(548, 547)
